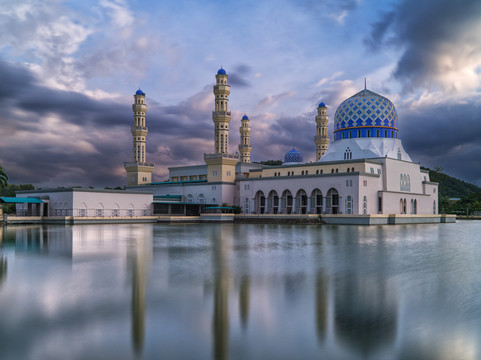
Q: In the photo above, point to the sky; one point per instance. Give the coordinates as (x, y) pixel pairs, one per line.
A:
(69, 69)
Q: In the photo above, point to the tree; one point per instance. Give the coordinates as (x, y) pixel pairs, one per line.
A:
(3, 178)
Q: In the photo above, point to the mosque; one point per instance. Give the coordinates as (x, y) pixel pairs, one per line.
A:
(364, 170)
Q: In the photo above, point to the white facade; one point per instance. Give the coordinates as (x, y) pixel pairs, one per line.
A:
(88, 203)
(363, 186)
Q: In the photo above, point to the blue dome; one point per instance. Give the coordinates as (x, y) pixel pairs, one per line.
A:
(221, 72)
(365, 114)
(322, 104)
(245, 117)
(293, 156)
(139, 92)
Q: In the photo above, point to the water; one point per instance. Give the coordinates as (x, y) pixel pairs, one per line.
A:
(227, 291)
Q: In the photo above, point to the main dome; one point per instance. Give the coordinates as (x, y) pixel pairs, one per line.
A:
(365, 114)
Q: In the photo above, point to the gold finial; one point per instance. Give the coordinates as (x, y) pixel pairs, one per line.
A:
(365, 84)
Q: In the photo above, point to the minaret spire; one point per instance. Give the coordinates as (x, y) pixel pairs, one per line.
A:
(245, 141)
(221, 113)
(321, 139)
(365, 83)
(139, 171)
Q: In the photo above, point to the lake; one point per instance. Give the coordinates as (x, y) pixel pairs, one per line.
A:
(238, 291)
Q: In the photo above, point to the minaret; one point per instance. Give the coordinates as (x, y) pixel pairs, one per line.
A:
(321, 139)
(139, 171)
(221, 114)
(245, 140)
(221, 166)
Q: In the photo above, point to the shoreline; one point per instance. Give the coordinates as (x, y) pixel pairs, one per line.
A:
(302, 219)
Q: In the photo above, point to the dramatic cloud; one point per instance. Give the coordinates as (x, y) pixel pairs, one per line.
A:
(69, 70)
(434, 138)
(67, 138)
(440, 42)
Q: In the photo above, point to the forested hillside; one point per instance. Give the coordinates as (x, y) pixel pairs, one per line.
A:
(449, 188)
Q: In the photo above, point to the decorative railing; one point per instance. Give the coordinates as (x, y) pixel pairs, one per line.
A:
(144, 128)
(221, 156)
(133, 163)
(221, 113)
(89, 212)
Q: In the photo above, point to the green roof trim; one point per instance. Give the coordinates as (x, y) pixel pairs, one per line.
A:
(20, 200)
(178, 182)
(220, 207)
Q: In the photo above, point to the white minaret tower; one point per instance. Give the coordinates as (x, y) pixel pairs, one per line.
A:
(139, 171)
(245, 140)
(321, 139)
(221, 113)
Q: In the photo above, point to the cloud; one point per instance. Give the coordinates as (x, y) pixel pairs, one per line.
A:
(432, 137)
(237, 78)
(330, 78)
(439, 42)
(273, 99)
(54, 137)
(336, 10)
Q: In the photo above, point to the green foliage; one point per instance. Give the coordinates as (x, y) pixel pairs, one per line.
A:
(9, 191)
(449, 188)
(270, 162)
(3, 178)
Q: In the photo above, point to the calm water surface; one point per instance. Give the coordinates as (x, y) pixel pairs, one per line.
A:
(229, 291)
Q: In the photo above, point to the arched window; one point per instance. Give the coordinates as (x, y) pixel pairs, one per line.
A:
(190, 199)
(415, 206)
(246, 206)
(349, 204)
(201, 199)
(434, 207)
(99, 210)
(364, 205)
(401, 206)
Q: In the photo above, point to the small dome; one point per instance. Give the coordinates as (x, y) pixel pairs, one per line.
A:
(139, 92)
(245, 117)
(221, 72)
(322, 105)
(293, 156)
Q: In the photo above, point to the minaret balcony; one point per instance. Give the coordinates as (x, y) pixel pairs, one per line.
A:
(140, 128)
(137, 163)
(221, 156)
(220, 113)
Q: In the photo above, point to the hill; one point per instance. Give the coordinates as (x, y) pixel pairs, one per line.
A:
(450, 187)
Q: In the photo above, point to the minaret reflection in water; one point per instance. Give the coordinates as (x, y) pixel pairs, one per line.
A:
(139, 257)
(3, 260)
(220, 323)
(365, 301)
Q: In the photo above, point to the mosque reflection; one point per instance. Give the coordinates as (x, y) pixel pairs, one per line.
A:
(38, 239)
(353, 307)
